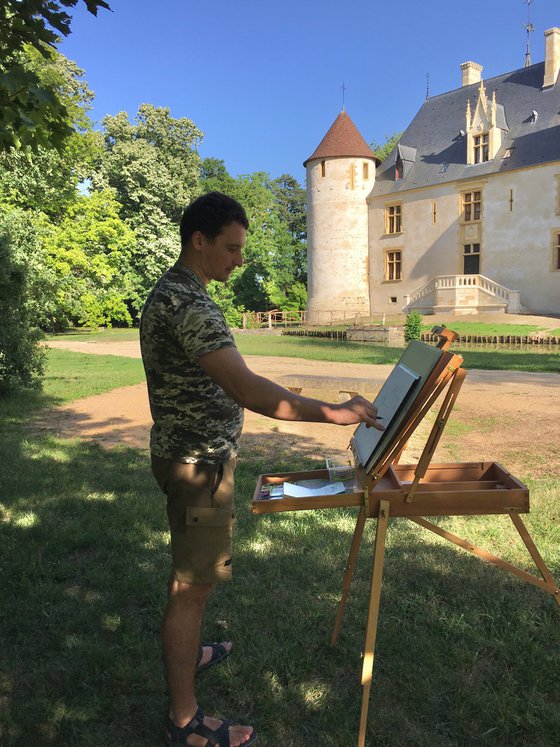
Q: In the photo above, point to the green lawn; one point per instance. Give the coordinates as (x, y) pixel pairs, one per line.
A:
(353, 352)
(485, 329)
(466, 653)
(495, 358)
(83, 334)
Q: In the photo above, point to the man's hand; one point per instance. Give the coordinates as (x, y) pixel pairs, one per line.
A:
(357, 410)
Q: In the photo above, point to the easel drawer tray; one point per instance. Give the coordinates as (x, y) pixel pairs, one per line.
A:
(459, 489)
(264, 504)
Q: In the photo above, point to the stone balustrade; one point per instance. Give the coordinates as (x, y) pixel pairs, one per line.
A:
(464, 294)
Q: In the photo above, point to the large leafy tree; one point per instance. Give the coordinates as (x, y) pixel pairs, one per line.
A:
(291, 199)
(32, 111)
(49, 181)
(89, 253)
(271, 276)
(153, 165)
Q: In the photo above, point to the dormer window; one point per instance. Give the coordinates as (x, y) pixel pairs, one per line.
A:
(481, 149)
(485, 128)
(405, 157)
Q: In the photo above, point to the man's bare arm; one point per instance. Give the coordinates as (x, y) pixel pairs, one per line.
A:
(228, 369)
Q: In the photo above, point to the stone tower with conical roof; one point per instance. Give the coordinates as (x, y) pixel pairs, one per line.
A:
(340, 175)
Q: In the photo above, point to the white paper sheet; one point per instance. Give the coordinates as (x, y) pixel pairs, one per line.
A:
(291, 490)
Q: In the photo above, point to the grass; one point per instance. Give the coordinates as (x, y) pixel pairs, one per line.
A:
(489, 358)
(485, 329)
(349, 352)
(464, 650)
(83, 334)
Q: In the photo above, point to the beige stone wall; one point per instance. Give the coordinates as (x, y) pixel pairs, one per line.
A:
(428, 248)
(517, 250)
(516, 244)
(337, 238)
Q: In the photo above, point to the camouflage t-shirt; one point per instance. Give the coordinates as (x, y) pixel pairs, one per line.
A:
(194, 419)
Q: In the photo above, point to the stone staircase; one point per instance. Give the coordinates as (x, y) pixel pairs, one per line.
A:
(464, 294)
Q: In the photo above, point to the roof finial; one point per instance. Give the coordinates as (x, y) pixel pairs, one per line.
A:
(529, 28)
(427, 86)
(343, 92)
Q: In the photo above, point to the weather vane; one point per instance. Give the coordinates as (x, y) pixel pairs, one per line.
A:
(529, 28)
(343, 93)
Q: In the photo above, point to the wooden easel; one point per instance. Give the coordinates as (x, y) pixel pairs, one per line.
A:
(391, 490)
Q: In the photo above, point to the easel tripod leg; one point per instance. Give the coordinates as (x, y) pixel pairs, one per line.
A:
(373, 614)
(535, 555)
(349, 572)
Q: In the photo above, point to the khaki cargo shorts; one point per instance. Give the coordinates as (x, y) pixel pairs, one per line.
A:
(201, 516)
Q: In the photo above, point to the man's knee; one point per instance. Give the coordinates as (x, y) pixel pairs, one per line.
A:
(189, 593)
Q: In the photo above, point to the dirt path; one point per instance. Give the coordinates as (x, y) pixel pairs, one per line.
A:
(506, 416)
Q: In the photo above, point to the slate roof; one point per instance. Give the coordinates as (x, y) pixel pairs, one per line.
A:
(441, 149)
(342, 140)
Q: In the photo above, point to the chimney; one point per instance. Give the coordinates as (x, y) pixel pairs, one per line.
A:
(471, 73)
(552, 56)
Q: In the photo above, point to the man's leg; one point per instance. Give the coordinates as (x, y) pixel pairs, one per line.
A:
(181, 640)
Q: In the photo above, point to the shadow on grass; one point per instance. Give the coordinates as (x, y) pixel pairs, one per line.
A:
(465, 653)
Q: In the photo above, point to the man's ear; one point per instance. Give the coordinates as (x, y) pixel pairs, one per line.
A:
(198, 240)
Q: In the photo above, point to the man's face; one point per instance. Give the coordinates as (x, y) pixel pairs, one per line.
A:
(220, 256)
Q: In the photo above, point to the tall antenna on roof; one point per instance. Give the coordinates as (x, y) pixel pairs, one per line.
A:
(529, 28)
(344, 91)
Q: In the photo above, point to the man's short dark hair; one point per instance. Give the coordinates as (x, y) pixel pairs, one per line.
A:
(210, 214)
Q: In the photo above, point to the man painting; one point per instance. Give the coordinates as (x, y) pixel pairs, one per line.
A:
(198, 385)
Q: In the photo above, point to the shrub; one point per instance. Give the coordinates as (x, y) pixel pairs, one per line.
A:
(413, 326)
(21, 358)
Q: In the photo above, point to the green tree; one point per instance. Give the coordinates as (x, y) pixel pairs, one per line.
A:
(153, 165)
(223, 295)
(21, 358)
(292, 203)
(32, 112)
(89, 252)
(273, 274)
(382, 150)
(291, 199)
(49, 181)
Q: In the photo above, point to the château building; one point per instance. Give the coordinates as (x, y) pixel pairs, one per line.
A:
(463, 215)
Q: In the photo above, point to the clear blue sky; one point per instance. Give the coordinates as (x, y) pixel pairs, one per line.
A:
(263, 78)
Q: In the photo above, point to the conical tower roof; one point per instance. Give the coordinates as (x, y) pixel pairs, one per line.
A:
(342, 139)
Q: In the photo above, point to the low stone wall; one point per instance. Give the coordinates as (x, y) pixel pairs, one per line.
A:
(499, 339)
(395, 336)
(383, 335)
